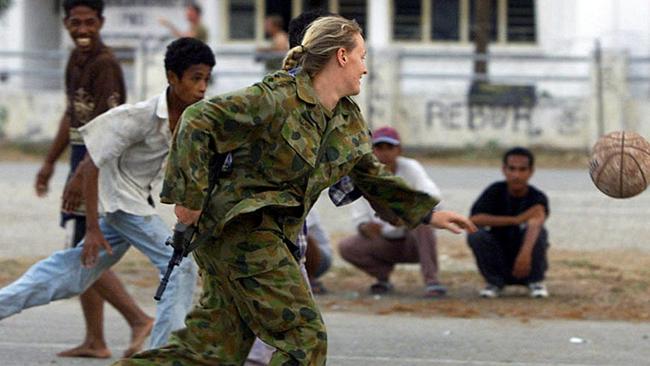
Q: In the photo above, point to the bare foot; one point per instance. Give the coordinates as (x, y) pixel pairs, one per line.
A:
(139, 334)
(86, 350)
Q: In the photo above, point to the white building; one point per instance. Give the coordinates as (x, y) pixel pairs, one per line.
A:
(419, 57)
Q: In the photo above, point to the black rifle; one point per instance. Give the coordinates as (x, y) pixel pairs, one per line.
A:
(182, 238)
(179, 241)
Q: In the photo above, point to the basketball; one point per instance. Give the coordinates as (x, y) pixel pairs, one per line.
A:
(620, 164)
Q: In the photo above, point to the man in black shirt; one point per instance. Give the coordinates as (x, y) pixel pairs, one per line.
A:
(511, 244)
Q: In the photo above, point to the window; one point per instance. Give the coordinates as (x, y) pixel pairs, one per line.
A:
(521, 21)
(407, 20)
(246, 17)
(354, 9)
(445, 19)
(511, 21)
(242, 19)
(351, 9)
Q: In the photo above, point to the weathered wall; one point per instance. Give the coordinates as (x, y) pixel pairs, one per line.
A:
(449, 122)
(429, 113)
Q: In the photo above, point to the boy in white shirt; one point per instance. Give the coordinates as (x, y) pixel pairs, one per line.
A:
(127, 150)
(378, 245)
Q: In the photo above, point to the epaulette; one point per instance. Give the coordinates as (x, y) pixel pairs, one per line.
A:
(277, 79)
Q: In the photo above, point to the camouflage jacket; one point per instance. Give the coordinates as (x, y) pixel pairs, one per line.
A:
(286, 149)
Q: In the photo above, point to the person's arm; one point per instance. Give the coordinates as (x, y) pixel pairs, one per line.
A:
(73, 191)
(534, 226)
(486, 219)
(219, 125)
(522, 265)
(362, 217)
(366, 226)
(94, 239)
(61, 141)
(398, 204)
(172, 28)
(106, 138)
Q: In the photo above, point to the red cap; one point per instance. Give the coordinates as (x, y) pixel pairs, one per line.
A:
(387, 135)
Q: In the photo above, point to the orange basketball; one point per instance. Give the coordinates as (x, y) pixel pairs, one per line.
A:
(620, 164)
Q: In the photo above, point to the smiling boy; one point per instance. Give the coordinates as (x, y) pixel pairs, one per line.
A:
(94, 84)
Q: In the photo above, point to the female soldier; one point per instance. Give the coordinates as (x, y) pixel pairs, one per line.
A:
(290, 138)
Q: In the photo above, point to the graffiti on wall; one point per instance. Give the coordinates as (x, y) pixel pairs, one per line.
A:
(565, 117)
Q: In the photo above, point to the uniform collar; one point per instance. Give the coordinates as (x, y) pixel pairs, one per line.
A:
(305, 88)
(307, 93)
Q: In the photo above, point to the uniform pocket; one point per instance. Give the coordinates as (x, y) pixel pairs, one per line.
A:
(263, 251)
(269, 289)
(340, 153)
(302, 138)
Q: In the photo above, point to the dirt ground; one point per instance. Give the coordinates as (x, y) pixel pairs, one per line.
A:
(594, 285)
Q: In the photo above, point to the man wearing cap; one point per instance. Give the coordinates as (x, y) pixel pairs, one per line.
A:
(378, 245)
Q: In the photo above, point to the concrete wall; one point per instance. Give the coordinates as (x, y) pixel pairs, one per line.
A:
(29, 116)
(429, 114)
(419, 88)
(10, 40)
(446, 121)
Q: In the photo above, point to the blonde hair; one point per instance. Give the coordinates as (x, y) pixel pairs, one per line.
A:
(322, 39)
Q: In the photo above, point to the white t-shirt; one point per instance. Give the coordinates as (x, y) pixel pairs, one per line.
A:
(416, 177)
(129, 145)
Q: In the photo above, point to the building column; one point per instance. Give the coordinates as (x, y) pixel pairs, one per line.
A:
(379, 26)
(214, 19)
(42, 32)
(382, 87)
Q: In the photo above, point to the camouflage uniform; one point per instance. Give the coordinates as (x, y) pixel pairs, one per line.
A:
(286, 149)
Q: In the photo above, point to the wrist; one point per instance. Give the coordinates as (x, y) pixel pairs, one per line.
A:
(515, 220)
(92, 226)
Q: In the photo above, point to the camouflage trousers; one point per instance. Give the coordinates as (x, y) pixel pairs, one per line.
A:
(252, 286)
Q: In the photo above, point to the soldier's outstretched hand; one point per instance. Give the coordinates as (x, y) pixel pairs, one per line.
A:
(452, 221)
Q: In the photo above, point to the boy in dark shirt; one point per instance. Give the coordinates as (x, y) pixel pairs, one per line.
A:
(511, 244)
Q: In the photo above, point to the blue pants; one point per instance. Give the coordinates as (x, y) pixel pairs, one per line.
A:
(61, 275)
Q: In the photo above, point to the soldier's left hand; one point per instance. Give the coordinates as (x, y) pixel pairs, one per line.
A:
(453, 222)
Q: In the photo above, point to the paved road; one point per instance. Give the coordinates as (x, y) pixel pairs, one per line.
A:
(581, 217)
(33, 337)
